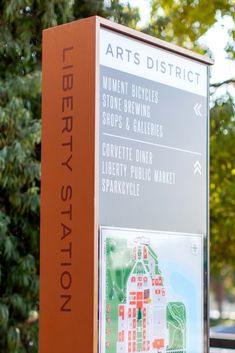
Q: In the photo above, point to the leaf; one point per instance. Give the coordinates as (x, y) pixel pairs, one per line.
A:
(4, 315)
(13, 339)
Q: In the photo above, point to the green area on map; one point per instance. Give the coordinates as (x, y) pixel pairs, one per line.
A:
(138, 316)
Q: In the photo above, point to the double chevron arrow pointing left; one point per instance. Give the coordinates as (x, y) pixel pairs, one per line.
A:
(197, 110)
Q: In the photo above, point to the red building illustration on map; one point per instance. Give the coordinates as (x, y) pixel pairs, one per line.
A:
(142, 320)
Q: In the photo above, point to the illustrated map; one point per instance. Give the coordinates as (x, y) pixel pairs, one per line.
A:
(139, 315)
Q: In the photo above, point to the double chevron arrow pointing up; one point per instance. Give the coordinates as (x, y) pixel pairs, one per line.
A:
(197, 168)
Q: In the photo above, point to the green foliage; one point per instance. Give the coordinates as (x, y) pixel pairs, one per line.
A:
(184, 22)
(114, 10)
(222, 183)
(21, 24)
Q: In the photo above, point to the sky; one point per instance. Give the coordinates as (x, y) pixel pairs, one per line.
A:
(216, 39)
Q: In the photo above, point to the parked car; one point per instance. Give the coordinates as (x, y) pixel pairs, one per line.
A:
(223, 329)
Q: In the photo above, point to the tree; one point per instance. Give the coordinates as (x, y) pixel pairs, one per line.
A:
(222, 200)
(184, 22)
(114, 10)
(222, 183)
(21, 24)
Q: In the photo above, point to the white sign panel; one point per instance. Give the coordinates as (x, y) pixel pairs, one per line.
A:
(137, 58)
(153, 137)
(153, 183)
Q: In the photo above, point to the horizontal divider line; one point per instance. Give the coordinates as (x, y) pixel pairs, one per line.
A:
(153, 144)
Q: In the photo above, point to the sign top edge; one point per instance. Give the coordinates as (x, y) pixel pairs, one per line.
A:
(104, 23)
(101, 22)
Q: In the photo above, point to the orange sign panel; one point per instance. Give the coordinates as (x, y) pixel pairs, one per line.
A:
(68, 242)
(71, 211)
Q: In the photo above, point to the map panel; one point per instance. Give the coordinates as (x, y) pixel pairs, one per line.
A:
(147, 303)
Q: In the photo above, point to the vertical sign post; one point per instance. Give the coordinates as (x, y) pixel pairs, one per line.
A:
(124, 226)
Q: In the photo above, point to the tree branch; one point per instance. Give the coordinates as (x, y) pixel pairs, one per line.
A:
(226, 82)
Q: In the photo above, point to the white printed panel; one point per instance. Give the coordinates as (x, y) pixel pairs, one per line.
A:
(144, 60)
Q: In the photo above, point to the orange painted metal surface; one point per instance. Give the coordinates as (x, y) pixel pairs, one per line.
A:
(68, 312)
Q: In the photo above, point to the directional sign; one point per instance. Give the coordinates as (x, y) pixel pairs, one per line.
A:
(153, 108)
(124, 205)
(153, 137)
